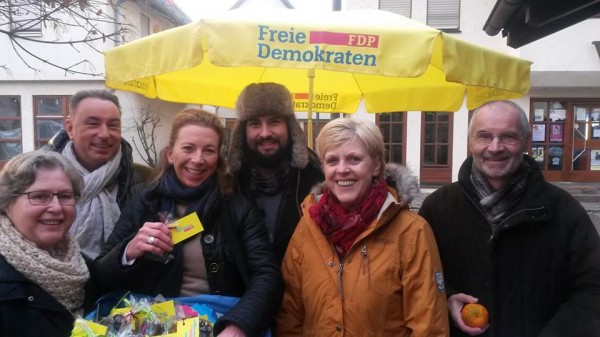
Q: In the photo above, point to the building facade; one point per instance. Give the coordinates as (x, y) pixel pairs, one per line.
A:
(37, 78)
(563, 104)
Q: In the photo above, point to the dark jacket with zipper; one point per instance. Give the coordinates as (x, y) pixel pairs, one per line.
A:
(232, 231)
(300, 183)
(28, 310)
(538, 273)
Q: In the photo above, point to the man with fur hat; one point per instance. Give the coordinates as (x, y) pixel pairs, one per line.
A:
(269, 157)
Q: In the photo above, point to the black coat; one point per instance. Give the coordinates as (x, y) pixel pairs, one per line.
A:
(260, 300)
(300, 182)
(538, 275)
(28, 310)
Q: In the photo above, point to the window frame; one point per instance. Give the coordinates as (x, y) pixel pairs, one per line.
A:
(64, 103)
(388, 145)
(437, 10)
(435, 142)
(397, 6)
(27, 18)
(15, 118)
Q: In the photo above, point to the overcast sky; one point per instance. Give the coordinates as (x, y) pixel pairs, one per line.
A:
(196, 8)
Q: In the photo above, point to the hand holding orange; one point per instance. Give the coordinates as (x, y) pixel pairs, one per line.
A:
(475, 315)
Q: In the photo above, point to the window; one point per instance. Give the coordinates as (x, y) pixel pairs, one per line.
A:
(25, 17)
(436, 138)
(402, 7)
(10, 127)
(392, 128)
(144, 25)
(444, 14)
(50, 114)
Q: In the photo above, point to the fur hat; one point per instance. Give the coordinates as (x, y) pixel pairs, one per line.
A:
(259, 100)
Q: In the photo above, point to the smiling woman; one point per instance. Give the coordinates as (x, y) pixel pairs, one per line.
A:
(231, 256)
(373, 232)
(43, 271)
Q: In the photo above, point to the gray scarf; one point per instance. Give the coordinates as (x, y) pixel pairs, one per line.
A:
(97, 209)
(496, 203)
(61, 272)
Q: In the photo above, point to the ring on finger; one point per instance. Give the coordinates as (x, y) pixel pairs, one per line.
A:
(150, 240)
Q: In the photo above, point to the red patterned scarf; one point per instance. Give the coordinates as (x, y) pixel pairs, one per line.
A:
(342, 226)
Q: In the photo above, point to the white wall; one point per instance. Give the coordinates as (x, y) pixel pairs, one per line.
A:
(570, 49)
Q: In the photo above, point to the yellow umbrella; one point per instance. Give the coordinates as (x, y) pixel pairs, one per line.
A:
(328, 60)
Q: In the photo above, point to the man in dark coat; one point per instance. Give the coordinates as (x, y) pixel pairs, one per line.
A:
(269, 157)
(509, 240)
(93, 143)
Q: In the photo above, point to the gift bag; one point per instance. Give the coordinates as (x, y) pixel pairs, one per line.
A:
(220, 305)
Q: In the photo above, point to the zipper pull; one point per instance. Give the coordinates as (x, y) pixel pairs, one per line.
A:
(340, 285)
(365, 265)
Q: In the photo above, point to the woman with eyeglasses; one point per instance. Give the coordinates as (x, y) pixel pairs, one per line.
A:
(42, 272)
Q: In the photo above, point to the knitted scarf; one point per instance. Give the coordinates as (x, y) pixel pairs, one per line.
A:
(97, 209)
(176, 193)
(61, 272)
(342, 226)
(259, 185)
(496, 203)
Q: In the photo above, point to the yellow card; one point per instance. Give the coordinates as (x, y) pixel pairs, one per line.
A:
(185, 227)
(188, 327)
(122, 311)
(82, 327)
(167, 307)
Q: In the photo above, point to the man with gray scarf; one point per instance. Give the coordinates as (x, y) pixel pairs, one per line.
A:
(93, 143)
(520, 246)
(269, 157)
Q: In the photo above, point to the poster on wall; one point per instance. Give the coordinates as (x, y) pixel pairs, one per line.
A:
(595, 131)
(556, 132)
(538, 133)
(538, 115)
(537, 153)
(595, 160)
(558, 114)
(581, 114)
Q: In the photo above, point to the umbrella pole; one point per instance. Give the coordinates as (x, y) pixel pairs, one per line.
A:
(311, 76)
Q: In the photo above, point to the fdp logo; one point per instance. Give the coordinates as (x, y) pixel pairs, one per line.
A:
(344, 39)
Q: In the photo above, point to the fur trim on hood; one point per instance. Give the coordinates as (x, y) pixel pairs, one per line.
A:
(265, 99)
(397, 176)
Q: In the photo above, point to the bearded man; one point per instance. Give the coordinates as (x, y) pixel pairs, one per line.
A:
(269, 157)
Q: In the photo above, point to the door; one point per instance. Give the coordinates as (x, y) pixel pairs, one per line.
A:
(585, 143)
(565, 139)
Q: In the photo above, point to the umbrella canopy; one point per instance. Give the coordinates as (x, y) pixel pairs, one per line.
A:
(329, 61)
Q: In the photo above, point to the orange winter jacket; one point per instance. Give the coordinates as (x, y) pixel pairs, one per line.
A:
(390, 283)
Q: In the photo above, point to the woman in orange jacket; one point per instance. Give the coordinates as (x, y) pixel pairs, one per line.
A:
(360, 263)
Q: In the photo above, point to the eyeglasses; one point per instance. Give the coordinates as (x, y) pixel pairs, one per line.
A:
(38, 198)
(504, 138)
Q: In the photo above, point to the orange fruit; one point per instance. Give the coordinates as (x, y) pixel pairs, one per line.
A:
(475, 315)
